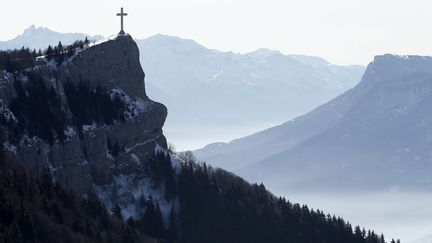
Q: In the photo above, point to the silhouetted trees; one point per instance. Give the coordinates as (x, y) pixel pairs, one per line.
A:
(93, 105)
(216, 206)
(19, 60)
(38, 111)
(151, 221)
(35, 209)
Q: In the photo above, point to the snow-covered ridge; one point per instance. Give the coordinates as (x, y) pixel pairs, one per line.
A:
(103, 40)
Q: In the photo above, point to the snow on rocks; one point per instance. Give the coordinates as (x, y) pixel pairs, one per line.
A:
(10, 147)
(128, 190)
(8, 116)
(89, 128)
(70, 133)
(134, 107)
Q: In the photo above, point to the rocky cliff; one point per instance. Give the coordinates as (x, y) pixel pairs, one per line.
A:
(81, 155)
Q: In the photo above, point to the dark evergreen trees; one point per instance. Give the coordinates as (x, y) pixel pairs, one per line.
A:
(17, 60)
(21, 59)
(38, 110)
(93, 104)
(49, 53)
(216, 206)
(34, 209)
(172, 229)
(152, 222)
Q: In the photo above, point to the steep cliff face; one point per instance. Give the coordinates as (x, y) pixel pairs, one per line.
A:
(90, 155)
(114, 64)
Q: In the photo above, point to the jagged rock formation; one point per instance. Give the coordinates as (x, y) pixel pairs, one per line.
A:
(83, 160)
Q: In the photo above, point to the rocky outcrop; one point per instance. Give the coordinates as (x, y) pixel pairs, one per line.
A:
(83, 160)
(114, 64)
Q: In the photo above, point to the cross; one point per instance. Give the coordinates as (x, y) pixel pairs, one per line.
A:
(121, 14)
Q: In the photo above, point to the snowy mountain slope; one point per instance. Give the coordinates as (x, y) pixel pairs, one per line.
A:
(264, 86)
(39, 38)
(374, 136)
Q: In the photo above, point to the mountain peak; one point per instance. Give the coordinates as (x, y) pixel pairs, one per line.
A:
(30, 29)
(390, 67)
(263, 53)
(172, 44)
(401, 59)
(115, 59)
(311, 60)
(33, 30)
(173, 40)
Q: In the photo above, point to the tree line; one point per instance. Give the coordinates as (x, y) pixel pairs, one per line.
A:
(217, 206)
(19, 60)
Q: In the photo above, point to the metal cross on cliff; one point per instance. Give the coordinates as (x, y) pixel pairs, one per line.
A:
(122, 14)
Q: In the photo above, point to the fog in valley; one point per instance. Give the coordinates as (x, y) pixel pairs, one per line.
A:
(404, 215)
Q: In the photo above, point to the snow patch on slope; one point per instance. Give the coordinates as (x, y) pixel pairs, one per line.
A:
(128, 190)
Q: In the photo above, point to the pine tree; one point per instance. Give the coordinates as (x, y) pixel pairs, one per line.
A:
(171, 234)
(152, 220)
(60, 47)
(57, 213)
(49, 53)
(2, 155)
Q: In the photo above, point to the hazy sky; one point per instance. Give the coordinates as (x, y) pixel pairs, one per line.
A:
(342, 31)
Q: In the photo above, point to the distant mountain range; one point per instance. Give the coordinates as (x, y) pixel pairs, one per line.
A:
(215, 95)
(39, 38)
(376, 136)
(208, 91)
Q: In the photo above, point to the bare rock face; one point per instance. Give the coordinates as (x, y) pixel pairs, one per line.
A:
(83, 160)
(114, 64)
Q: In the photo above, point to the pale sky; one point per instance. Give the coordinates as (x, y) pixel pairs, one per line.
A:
(341, 31)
